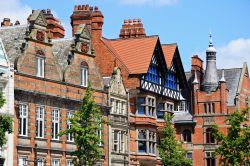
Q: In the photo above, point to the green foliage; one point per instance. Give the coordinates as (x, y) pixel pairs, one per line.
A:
(5, 123)
(171, 151)
(234, 149)
(85, 125)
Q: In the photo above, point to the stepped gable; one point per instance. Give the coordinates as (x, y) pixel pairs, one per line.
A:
(135, 53)
(12, 38)
(168, 51)
(232, 77)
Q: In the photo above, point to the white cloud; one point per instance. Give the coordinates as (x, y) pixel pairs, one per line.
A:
(14, 10)
(234, 53)
(149, 2)
(231, 55)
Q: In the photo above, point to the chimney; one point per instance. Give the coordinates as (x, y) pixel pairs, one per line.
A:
(132, 28)
(17, 23)
(54, 26)
(6, 22)
(91, 16)
(197, 66)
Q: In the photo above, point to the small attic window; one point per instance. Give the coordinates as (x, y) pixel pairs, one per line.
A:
(40, 63)
(84, 73)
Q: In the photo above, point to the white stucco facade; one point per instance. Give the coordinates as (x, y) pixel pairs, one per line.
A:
(7, 88)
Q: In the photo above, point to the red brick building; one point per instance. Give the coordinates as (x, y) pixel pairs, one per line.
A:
(216, 93)
(136, 78)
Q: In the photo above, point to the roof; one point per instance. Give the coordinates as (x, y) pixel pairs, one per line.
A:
(232, 77)
(12, 38)
(168, 51)
(61, 49)
(135, 53)
(182, 117)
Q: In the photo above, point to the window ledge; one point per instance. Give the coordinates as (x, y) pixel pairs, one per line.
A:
(23, 136)
(41, 139)
(54, 140)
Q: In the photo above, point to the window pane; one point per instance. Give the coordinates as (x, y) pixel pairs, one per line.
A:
(142, 146)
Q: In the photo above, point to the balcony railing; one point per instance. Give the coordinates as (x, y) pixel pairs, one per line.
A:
(159, 89)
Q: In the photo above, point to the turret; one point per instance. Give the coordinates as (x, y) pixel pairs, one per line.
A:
(210, 82)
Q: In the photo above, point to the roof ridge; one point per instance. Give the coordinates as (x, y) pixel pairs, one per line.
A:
(132, 38)
(166, 44)
(13, 27)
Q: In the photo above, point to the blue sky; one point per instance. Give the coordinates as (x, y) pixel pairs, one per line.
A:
(185, 22)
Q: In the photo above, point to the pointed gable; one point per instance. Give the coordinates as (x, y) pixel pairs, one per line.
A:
(116, 84)
(134, 53)
(174, 63)
(37, 18)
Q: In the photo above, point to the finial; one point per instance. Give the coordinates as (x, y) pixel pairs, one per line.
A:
(223, 76)
(210, 40)
(195, 78)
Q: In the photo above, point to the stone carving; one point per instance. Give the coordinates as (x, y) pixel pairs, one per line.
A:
(85, 47)
(40, 36)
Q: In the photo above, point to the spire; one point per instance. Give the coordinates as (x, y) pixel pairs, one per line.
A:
(210, 40)
(195, 78)
(210, 82)
(223, 77)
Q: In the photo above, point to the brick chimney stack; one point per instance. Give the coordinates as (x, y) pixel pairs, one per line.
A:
(197, 66)
(54, 26)
(6, 22)
(91, 16)
(132, 28)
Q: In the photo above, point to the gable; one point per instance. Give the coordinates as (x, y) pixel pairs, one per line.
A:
(116, 84)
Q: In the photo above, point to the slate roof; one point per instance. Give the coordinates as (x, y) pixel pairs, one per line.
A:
(12, 38)
(135, 53)
(61, 49)
(168, 51)
(182, 117)
(232, 77)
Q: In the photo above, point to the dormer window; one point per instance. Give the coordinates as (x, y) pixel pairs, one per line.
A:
(40, 66)
(84, 74)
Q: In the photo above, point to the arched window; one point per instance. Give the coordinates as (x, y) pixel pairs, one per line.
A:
(84, 73)
(209, 137)
(186, 134)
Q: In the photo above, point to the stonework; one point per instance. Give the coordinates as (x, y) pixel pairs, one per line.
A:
(51, 75)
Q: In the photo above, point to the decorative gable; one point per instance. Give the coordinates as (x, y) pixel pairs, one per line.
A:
(116, 83)
(37, 27)
(83, 40)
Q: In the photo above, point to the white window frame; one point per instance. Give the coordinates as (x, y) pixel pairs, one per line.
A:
(69, 163)
(55, 162)
(149, 141)
(70, 137)
(23, 160)
(40, 112)
(23, 116)
(41, 162)
(151, 106)
(40, 63)
(169, 106)
(99, 133)
(181, 106)
(84, 76)
(118, 106)
(55, 123)
(120, 141)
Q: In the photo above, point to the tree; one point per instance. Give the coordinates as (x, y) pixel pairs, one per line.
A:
(171, 151)
(85, 125)
(5, 123)
(234, 147)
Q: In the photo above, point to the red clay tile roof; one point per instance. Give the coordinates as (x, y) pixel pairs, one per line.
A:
(168, 51)
(134, 53)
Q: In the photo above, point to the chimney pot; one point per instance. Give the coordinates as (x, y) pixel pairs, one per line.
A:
(17, 22)
(79, 7)
(96, 8)
(75, 8)
(91, 8)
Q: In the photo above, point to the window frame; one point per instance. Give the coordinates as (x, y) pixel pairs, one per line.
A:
(210, 139)
(149, 141)
(119, 142)
(55, 124)
(40, 120)
(70, 137)
(25, 160)
(148, 106)
(210, 159)
(84, 76)
(40, 66)
(55, 160)
(185, 137)
(23, 117)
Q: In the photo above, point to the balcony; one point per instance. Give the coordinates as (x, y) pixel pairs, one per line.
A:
(159, 89)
